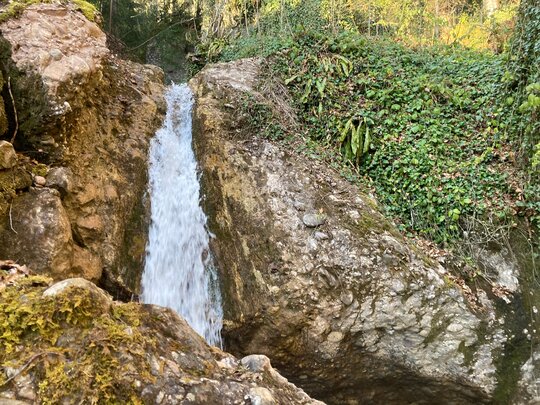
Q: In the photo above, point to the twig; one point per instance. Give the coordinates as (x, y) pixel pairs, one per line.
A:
(11, 220)
(159, 33)
(28, 363)
(14, 112)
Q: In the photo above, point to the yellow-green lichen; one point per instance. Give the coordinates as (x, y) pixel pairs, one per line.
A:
(40, 169)
(88, 10)
(77, 347)
(15, 8)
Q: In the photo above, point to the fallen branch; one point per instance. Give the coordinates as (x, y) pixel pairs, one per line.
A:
(11, 220)
(28, 363)
(14, 112)
(159, 33)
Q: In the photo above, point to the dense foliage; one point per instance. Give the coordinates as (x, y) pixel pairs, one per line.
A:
(522, 90)
(420, 124)
(427, 127)
(141, 25)
(523, 76)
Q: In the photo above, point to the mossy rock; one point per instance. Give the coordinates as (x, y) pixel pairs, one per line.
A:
(16, 8)
(76, 341)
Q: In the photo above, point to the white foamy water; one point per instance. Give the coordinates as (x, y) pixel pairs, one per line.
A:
(178, 271)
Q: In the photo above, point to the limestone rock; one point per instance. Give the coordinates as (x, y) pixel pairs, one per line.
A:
(362, 316)
(93, 116)
(60, 178)
(57, 61)
(313, 220)
(99, 297)
(39, 233)
(122, 353)
(8, 157)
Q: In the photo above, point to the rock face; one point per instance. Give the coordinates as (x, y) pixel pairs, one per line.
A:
(8, 157)
(62, 52)
(41, 233)
(88, 118)
(317, 279)
(101, 351)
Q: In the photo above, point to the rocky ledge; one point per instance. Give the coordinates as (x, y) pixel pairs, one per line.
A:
(69, 342)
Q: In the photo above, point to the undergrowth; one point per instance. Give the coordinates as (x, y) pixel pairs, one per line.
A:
(425, 127)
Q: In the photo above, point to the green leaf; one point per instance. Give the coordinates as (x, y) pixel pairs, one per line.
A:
(367, 140)
(290, 79)
(355, 141)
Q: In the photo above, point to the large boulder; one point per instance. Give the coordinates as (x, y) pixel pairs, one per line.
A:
(88, 117)
(71, 343)
(60, 52)
(315, 277)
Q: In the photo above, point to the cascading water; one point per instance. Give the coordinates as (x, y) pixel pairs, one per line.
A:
(178, 271)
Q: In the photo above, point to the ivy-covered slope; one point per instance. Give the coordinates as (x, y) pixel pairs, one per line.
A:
(425, 128)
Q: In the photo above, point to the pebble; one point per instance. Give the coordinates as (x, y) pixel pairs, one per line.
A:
(335, 337)
(8, 157)
(314, 220)
(40, 181)
(300, 206)
(321, 236)
(347, 298)
(56, 54)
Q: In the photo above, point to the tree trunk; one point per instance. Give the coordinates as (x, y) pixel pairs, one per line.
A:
(111, 7)
(490, 6)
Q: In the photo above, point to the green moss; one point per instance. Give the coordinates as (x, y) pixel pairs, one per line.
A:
(438, 326)
(15, 8)
(40, 170)
(468, 353)
(88, 10)
(78, 349)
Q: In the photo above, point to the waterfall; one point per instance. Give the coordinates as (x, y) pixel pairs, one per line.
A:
(179, 272)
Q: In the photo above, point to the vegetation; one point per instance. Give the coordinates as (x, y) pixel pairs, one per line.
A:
(427, 127)
(522, 80)
(421, 125)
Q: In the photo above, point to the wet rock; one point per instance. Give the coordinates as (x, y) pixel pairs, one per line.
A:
(118, 347)
(93, 116)
(89, 228)
(349, 314)
(529, 381)
(86, 264)
(8, 157)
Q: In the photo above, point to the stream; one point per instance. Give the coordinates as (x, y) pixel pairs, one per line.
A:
(179, 271)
